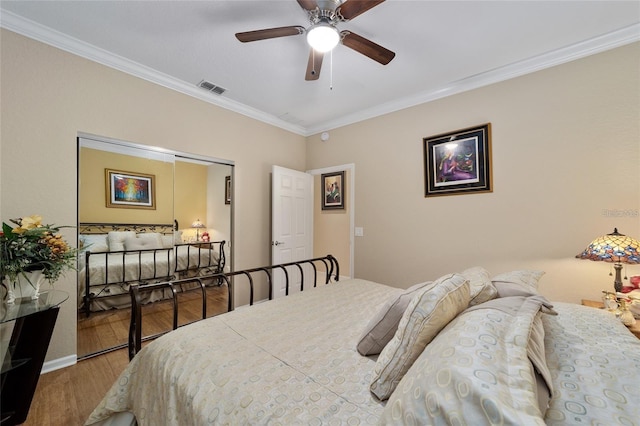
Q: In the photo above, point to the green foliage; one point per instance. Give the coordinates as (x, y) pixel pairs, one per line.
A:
(32, 246)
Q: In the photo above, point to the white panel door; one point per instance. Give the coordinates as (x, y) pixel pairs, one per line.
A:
(291, 224)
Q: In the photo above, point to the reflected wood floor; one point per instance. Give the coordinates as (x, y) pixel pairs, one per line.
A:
(67, 396)
(106, 329)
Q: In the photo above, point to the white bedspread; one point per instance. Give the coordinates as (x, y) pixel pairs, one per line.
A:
(109, 268)
(293, 361)
(595, 363)
(280, 362)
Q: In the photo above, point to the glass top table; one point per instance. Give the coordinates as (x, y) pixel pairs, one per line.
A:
(25, 306)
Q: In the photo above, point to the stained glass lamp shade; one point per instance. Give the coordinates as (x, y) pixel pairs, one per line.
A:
(615, 248)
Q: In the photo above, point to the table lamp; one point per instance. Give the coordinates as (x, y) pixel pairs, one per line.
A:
(614, 248)
(198, 225)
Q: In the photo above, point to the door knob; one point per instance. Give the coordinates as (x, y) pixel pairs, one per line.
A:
(276, 243)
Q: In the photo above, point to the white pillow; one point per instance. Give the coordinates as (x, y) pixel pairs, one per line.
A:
(143, 243)
(428, 312)
(116, 239)
(156, 237)
(481, 288)
(177, 237)
(167, 241)
(94, 242)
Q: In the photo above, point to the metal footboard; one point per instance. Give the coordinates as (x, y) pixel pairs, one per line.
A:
(331, 269)
(170, 270)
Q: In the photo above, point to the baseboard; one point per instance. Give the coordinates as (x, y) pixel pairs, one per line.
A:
(59, 363)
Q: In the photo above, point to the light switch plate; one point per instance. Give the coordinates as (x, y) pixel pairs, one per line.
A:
(359, 231)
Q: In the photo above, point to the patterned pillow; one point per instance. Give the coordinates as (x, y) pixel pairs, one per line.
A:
(481, 288)
(428, 312)
(383, 326)
(478, 370)
(517, 283)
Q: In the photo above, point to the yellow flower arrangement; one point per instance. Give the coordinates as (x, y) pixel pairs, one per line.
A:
(32, 246)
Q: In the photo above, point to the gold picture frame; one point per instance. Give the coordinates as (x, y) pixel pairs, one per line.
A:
(130, 190)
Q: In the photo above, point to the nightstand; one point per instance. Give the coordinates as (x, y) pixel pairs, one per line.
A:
(635, 329)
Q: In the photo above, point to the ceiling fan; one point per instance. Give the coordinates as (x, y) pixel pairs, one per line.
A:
(323, 35)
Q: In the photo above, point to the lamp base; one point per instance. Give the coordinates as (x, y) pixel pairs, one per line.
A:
(617, 283)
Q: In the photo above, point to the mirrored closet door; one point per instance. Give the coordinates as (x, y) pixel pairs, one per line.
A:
(147, 215)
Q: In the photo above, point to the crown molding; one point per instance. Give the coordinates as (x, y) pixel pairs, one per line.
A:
(62, 41)
(77, 47)
(618, 38)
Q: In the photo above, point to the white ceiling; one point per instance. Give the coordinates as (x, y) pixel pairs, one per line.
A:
(442, 48)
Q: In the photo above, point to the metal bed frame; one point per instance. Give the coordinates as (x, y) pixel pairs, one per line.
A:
(163, 254)
(331, 268)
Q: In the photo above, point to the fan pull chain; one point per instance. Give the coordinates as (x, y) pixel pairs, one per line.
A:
(331, 70)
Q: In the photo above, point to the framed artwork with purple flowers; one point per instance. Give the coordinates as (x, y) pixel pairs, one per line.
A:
(458, 162)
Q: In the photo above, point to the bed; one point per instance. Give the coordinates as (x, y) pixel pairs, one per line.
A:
(113, 256)
(465, 348)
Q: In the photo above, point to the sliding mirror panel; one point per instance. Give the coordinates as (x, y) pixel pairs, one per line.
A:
(147, 215)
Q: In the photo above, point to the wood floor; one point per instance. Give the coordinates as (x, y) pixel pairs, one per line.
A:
(67, 396)
(106, 329)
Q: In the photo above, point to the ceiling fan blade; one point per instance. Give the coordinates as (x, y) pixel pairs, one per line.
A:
(367, 47)
(352, 8)
(270, 33)
(308, 4)
(314, 65)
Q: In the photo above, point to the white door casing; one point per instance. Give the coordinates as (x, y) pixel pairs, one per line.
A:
(351, 168)
(291, 224)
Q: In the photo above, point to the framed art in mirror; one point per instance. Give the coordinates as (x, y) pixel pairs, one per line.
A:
(130, 190)
(227, 190)
(458, 162)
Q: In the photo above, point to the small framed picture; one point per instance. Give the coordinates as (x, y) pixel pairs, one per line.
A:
(458, 162)
(332, 190)
(130, 190)
(227, 190)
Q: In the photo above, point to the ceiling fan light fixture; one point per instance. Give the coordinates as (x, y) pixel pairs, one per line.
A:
(323, 37)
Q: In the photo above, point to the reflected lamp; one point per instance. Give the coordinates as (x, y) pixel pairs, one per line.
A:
(198, 226)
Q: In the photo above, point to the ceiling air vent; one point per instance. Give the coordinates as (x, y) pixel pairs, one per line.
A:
(207, 85)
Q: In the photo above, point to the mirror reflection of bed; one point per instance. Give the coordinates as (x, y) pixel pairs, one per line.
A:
(137, 206)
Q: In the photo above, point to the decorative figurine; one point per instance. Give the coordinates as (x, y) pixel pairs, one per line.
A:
(610, 301)
(626, 316)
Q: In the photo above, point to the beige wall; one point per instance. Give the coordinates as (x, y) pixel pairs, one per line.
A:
(48, 96)
(566, 157)
(190, 182)
(218, 218)
(331, 228)
(92, 188)
(190, 196)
